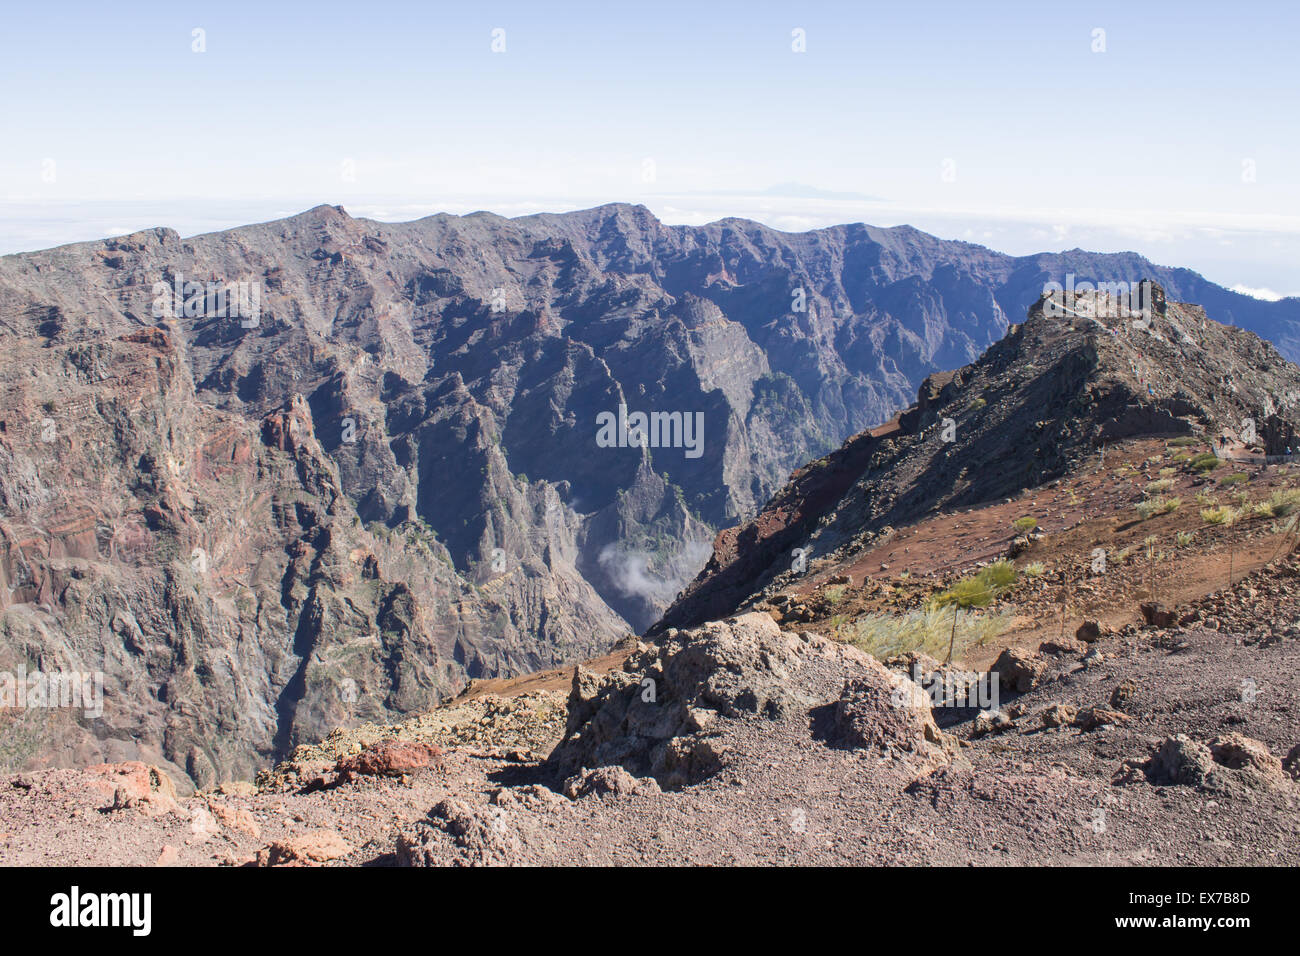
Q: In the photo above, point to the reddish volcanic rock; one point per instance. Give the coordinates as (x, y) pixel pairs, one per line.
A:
(390, 758)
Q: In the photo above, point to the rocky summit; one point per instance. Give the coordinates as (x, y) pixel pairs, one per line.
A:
(1080, 373)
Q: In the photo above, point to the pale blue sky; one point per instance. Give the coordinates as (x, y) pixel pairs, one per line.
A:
(1048, 144)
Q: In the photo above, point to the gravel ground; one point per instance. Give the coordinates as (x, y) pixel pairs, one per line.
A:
(786, 794)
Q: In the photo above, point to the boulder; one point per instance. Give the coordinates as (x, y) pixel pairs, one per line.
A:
(1157, 615)
(235, 818)
(1244, 753)
(310, 849)
(1059, 715)
(483, 835)
(665, 714)
(612, 781)
(1089, 632)
(1291, 765)
(1062, 645)
(1018, 670)
(992, 722)
(891, 715)
(1227, 761)
(1091, 718)
(134, 785)
(1180, 760)
(170, 856)
(1124, 691)
(390, 758)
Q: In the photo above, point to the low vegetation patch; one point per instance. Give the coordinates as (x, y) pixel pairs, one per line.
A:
(1157, 506)
(1283, 502)
(927, 630)
(1222, 515)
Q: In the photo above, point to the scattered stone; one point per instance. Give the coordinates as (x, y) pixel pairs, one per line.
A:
(311, 849)
(170, 856)
(991, 722)
(389, 758)
(1059, 715)
(236, 818)
(1089, 632)
(1156, 614)
(1091, 718)
(1124, 692)
(1018, 670)
(1180, 760)
(1244, 753)
(614, 781)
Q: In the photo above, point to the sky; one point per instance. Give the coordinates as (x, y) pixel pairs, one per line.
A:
(1164, 128)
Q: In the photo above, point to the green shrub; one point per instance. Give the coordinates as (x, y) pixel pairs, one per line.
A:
(998, 576)
(1025, 525)
(1206, 461)
(1158, 487)
(1234, 479)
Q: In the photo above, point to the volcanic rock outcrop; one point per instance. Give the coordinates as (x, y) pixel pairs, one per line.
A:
(667, 711)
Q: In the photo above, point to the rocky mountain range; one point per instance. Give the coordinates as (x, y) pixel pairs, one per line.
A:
(1134, 711)
(387, 473)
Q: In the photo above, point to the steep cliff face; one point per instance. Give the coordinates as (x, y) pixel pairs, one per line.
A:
(388, 474)
(1076, 375)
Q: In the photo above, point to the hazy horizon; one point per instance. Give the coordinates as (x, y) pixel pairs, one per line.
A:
(1024, 128)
